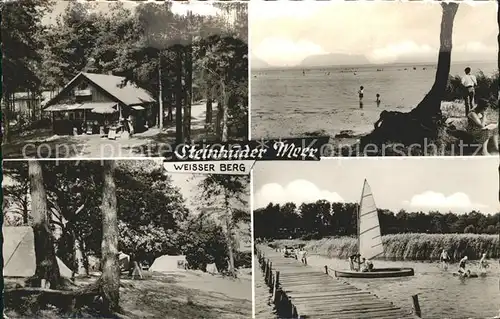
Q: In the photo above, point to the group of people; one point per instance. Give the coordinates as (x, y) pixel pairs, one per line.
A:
(357, 263)
(446, 260)
(361, 95)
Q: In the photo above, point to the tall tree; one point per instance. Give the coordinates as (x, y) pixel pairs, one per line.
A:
(229, 195)
(21, 26)
(46, 263)
(423, 121)
(110, 278)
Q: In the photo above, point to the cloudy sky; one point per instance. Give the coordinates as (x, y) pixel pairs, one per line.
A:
(454, 184)
(284, 32)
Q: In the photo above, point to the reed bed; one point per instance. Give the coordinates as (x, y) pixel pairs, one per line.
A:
(420, 247)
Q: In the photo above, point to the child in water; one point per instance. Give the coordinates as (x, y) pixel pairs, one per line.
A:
(378, 99)
(360, 94)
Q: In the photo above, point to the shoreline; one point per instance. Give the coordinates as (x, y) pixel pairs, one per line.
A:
(404, 247)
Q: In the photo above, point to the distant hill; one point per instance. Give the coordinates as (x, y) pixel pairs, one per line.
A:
(334, 59)
(256, 63)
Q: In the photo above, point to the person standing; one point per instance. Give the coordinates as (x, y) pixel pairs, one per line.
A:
(360, 95)
(445, 259)
(469, 82)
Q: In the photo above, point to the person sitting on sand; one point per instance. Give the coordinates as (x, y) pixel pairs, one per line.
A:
(469, 82)
(461, 265)
(481, 132)
(444, 258)
(378, 99)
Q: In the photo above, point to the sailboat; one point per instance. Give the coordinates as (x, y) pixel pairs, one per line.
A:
(370, 240)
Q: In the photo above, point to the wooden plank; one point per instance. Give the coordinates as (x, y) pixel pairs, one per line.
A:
(318, 295)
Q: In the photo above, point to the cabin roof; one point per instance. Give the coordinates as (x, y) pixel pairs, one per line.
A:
(123, 91)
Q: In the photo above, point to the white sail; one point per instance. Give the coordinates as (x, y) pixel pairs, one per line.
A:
(369, 236)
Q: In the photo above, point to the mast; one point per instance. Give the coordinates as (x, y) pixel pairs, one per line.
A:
(359, 216)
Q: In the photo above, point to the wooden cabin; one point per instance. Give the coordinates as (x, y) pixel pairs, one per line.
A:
(94, 103)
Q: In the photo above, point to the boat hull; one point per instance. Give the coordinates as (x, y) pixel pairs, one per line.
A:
(376, 273)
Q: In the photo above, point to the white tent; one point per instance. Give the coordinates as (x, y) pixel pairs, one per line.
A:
(19, 253)
(212, 269)
(168, 263)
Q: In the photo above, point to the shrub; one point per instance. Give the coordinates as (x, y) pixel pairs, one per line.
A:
(243, 259)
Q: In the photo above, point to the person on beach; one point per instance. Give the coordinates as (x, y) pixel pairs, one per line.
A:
(445, 259)
(461, 265)
(469, 82)
(482, 133)
(378, 100)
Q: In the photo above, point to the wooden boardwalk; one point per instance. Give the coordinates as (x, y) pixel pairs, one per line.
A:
(299, 291)
(264, 309)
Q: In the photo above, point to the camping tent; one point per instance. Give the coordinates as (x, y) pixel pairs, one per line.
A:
(19, 253)
(167, 263)
(212, 269)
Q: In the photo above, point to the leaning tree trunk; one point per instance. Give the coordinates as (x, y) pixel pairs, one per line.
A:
(110, 278)
(46, 263)
(178, 98)
(424, 121)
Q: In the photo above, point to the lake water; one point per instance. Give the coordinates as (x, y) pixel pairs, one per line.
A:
(441, 294)
(287, 102)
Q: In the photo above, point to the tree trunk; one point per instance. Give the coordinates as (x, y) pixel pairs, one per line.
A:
(6, 117)
(178, 98)
(110, 278)
(225, 112)
(432, 101)
(160, 94)
(218, 120)
(425, 120)
(208, 113)
(46, 262)
(229, 239)
(188, 93)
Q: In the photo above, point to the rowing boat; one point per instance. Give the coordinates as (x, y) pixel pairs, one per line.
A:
(376, 273)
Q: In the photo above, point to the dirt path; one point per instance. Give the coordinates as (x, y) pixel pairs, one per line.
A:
(151, 143)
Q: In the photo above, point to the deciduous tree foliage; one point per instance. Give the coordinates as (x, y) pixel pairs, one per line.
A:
(322, 218)
(150, 46)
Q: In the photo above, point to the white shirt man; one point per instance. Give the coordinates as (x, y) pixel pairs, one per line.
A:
(469, 80)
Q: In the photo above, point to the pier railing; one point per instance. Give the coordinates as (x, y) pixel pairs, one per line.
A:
(282, 303)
